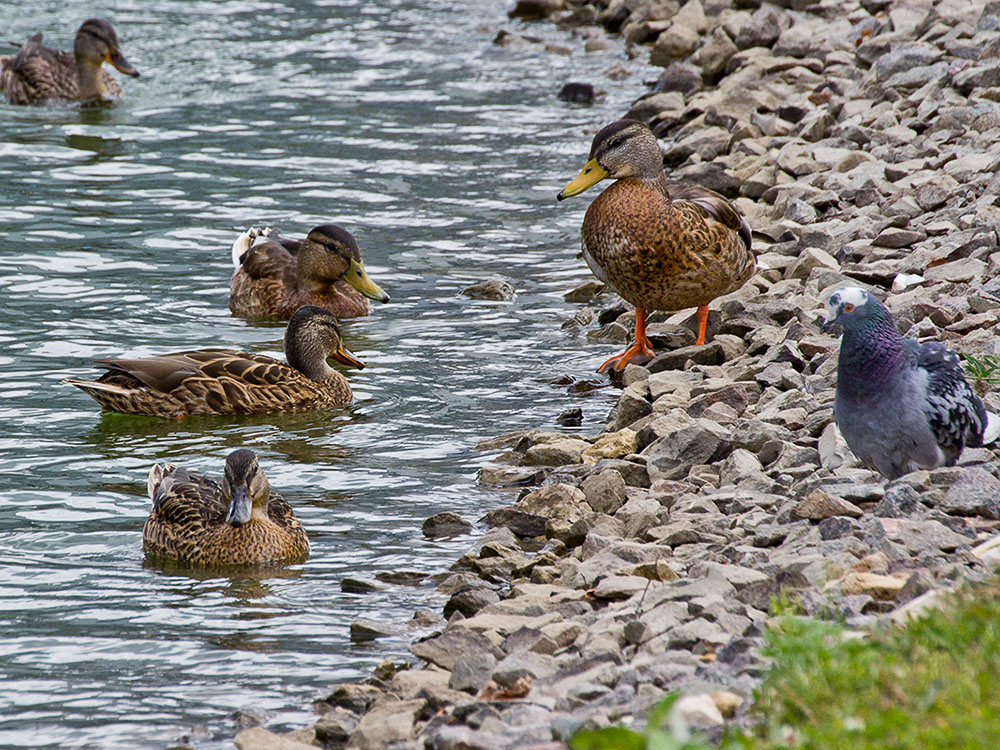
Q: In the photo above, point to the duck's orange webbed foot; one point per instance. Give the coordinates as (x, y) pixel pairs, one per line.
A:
(638, 353)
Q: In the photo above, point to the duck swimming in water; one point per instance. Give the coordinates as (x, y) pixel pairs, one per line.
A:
(661, 246)
(274, 276)
(236, 522)
(37, 74)
(225, 381)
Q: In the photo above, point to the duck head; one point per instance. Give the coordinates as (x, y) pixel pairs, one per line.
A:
(331, 253)
(96, 43)
(244, 487)
(625, 148)
(313, 337)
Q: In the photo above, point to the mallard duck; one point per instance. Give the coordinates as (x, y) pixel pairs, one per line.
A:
(37, 73)
(240, 522)
(662, 247)
(274, 276)
(224, 381)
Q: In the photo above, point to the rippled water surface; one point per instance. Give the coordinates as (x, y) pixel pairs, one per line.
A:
(442, 153)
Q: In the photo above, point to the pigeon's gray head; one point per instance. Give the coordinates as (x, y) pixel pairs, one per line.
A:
(850, 307)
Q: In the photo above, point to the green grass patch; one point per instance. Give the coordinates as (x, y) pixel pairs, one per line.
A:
(932, 685)
(984, 371)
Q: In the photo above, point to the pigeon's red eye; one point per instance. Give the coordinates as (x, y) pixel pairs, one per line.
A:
(848, 307)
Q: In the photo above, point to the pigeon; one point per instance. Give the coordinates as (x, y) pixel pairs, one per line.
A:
(901, 405)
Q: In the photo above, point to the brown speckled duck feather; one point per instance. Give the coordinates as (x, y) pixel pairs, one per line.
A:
(37, 74)
(661, 246)
(226, 381)
(275, 276)
(192, 518)
(666, 250)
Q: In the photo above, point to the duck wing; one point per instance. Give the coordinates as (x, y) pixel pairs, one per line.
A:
(37, 72)
(712, 206)
(269, 259)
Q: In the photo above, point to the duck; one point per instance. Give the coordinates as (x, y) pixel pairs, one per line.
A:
(226, 381)
(237, 521)
(274, 276)
(37, 74)
(661, 246)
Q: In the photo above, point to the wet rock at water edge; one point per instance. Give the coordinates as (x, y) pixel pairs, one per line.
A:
(494, 290)
(578, 93)
(571, 417)
(370, 630)
(445, 524)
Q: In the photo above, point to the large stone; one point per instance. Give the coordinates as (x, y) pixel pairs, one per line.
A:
(471, 671)
(976, 492)
(388, 722)
(258, 738)
(554, 501)
(671, 457)
(445, 523)
(819, 505)
(923, 535)
(699, 711)
(445, 649)
(605, 491)
(557, 452)
(611, 445)
(872, 584)
(496, 290)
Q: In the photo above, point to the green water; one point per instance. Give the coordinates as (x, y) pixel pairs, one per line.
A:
(442, 153)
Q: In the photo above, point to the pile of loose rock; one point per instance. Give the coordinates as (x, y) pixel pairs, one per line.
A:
(862, 143)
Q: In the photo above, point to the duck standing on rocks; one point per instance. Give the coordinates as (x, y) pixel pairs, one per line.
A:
(662, 247)
(225, 381)
(275, 276)
(240, 522)
(901, 405)
(37, 74)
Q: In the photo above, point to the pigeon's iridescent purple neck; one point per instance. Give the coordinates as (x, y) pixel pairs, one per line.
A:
(875, 348)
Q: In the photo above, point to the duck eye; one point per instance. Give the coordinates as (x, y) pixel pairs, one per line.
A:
(615, 143)
(848, 307)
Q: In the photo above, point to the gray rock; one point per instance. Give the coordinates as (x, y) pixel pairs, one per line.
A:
(835, 527)
(354, 697)
(458, 737)
(576, 92)
(470, 601)
(471, 671)
(900, 501)
(517, 666)
(520, 523)
(762, 30)
(335, 726)
(496, 290)
(976, 492)
(604, 491)
(443, 650)
(445, 523)
(360, 586)
(370, 630)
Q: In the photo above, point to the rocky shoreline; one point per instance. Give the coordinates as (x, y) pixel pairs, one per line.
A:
(861, 140)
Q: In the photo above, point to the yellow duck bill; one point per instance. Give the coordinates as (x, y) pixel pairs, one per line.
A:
(591, 174)
(357, 277)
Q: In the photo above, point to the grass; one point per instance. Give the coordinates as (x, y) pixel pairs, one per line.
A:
(931, 685)
(984, 371)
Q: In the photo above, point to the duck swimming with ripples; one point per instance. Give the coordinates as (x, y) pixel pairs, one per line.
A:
(38, 74)
(237, 521)
(275, 275)
(226, 381)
